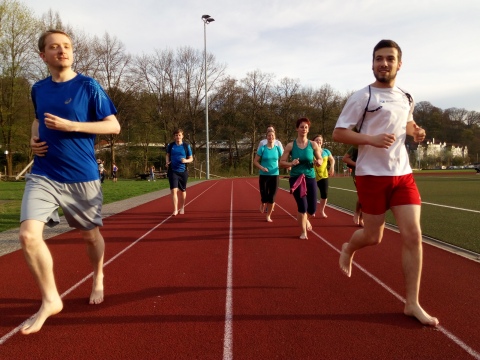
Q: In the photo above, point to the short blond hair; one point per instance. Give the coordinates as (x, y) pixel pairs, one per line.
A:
(43, 38)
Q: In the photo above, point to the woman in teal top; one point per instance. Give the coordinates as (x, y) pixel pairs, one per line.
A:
(267, 161)
(301, 155)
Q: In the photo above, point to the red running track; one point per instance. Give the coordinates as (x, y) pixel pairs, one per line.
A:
(221, 283)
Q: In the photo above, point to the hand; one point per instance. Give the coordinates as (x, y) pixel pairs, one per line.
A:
(264, 169)
(318, 162)
(419, 133)
(295, 162)
(57, 123)
(39, 148)
(383, 140)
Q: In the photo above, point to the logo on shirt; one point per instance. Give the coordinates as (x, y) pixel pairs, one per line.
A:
(68, 101)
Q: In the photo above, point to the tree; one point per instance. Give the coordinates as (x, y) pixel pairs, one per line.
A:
(255, 105)
(114, 73)
(287, 105)
(17, 32)
(229, 122)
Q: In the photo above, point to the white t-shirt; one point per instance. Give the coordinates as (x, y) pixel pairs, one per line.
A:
(264, 142)
(388, 112)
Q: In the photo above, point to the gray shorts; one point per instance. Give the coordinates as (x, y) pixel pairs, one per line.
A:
(81, 202)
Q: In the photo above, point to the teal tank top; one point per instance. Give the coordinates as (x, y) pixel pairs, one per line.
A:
(306, 157)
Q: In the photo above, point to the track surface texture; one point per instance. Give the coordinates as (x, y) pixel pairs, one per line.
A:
(220, 282)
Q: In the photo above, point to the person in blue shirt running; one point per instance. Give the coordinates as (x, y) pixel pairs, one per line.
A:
(178, 155)
(266, 161)
(70, 109)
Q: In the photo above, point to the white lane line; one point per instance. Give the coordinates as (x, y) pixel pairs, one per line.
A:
(423, 202)
(444, 331)
(228, 338)
(4, 338)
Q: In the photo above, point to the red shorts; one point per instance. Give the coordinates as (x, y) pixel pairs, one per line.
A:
(377, 194)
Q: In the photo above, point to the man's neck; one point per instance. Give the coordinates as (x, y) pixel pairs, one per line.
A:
(62, 75)
(382, 85)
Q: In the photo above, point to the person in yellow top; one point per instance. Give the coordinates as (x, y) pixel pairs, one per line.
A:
(322, 173)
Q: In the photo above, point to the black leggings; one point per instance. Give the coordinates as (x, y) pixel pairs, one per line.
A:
(323, 187)
(308, 203)
(268, 188)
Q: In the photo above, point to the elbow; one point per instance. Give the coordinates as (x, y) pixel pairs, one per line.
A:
(116, 130)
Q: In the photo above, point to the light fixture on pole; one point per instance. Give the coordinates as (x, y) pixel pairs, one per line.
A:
(206, 20)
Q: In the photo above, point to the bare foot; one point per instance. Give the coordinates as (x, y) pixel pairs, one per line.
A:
(96, 297)
(36, 322)
(309, 226)
(356, 218)
(360, 222)
(417, 312)
(175, 213)
(303, 236)
(262, 208)
(345, 261)
(182, 211)
(268, 219)
(323, 215)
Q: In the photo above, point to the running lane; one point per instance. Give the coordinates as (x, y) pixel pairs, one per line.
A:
(292, 302)
(221, 283)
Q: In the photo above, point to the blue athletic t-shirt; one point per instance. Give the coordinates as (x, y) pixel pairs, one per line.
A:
(70, 157)
(177, 153)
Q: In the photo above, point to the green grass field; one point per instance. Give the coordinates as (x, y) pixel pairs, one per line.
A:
(450, 211)
(11, 196)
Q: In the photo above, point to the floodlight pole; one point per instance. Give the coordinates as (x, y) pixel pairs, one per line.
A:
(206, 20)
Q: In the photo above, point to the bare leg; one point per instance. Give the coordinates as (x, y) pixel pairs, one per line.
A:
(323, 203)
(368, 236)
(95, 252)
(175, 201)
(408, 219)
(302, 221)
(40, 262)
(263, 207)
(269, 213)
(183, 197)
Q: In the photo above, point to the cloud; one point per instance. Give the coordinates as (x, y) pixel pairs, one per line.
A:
(318, 42)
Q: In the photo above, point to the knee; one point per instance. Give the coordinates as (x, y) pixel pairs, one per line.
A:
(91, 237)
(27, 238)
(373, 239)
(412, 238)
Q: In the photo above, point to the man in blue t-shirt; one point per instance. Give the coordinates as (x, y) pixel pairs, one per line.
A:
(178, 154)
(70, 109)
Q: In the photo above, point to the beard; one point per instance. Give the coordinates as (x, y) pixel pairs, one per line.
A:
(385, 78)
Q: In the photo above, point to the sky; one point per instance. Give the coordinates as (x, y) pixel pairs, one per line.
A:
(317, 42)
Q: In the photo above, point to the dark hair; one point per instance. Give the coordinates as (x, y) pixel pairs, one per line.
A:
(43, 37)
(316, 136)
(388, 44)
(304, 119)
(177, 131)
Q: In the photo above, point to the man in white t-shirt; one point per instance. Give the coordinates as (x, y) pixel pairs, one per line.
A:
(264, 141)
(382, 115)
